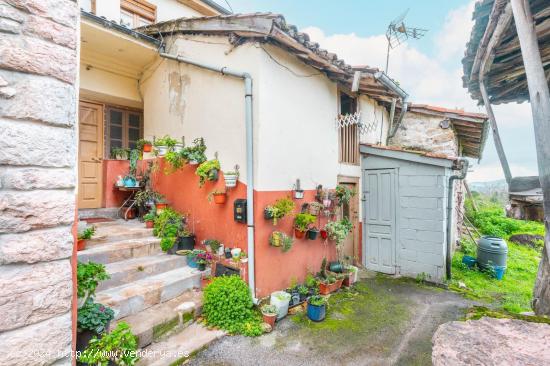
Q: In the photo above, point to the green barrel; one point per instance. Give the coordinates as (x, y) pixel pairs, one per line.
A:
(491, 251)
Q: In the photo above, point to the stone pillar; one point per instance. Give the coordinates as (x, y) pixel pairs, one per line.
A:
(38, 103)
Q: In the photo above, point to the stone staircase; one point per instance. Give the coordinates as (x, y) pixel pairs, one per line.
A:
(157, 294)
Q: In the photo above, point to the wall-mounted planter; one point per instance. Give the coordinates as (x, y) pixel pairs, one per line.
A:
(299, 234)
(161, 150)
(178, 147)
(312, 234)
(81, 244)
(230, 180)
(149, 224)
(147, 148)
(193, 162)
(324, 234)
(299, 194)
(213, 175)
(220, 198)
(268, 215)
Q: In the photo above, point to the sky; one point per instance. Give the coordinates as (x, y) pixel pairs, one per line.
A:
(429, 69)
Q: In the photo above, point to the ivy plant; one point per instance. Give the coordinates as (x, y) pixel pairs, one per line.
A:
(94, 317)
(344, 194)
(196, 152)
(88, 276)
(339, 230)
(207, 170)
(281, 208)
(228, 305)
(119, 346)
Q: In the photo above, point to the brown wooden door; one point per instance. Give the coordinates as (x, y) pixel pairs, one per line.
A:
(351, 211)
(90, 155)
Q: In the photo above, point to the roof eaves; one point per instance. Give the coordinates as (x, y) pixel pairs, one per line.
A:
(217, 6)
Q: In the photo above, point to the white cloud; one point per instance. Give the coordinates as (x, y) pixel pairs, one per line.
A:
(451, 40)
(490, 172)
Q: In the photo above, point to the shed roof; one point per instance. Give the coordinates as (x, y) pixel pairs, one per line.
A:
(471, 128)
(400, 153)
(270, 27)
(499, 53)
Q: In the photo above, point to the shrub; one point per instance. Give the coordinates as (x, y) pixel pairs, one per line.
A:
(168, 226)
(207, 170)
(119, 346)
(228, 305)
(88, 276)
(88, 233)
(95, 317)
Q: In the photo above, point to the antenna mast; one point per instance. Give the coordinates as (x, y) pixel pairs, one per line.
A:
(398, 33)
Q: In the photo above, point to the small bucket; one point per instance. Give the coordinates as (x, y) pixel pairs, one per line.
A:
(469, 261)
(499, 272)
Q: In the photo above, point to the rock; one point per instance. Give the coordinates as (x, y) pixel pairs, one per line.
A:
(51, 31)
(462, 285)
(36, 246)
(7, 92)
(527, 240)
(266, 328)
(491, 341)
(25, 179)
(61, 11)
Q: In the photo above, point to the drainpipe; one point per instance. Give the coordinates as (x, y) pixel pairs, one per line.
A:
(249, 154)
(392, 85)
(450, 199)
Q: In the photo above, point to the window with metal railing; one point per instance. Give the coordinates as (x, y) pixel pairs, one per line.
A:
(348, 130)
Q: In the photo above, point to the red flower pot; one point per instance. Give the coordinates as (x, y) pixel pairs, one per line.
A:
(270, 319)
(220, 199)
(149, 224)
(81, 244)
(324, 234)
(160, 206)
(147, 148)
(299, 234)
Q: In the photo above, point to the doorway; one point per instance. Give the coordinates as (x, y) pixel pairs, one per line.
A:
(350, 248)
(90, 155)
(379, 226)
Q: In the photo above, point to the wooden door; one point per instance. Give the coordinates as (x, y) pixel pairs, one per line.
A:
(380, 221)
(90, 155)
(351, 211)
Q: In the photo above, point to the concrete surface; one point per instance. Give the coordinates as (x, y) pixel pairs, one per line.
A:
(383, 321)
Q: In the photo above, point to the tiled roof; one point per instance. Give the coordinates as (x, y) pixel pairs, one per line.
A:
(417, 152)
(458, 112)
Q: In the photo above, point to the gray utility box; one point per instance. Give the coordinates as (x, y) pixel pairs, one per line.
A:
(491, 251)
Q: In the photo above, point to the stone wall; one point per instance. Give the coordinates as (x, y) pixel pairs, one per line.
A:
(38, 100)
(423, 132)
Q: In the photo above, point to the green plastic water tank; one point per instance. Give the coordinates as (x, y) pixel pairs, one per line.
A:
(491, 251)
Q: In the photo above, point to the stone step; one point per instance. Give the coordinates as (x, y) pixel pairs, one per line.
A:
(108, 232)
(134, 269)
(120, 250)
(176, 349)
(139, 295)
(152, 324)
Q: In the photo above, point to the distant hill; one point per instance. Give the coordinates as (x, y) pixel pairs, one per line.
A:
(489, 188)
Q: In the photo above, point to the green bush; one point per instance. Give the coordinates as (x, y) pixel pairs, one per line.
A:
(95, 317)
(119, 346)
(88, 276)
(228, 305)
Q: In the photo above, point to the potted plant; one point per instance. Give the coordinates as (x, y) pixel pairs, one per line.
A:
(303, 291)
(146, 200)
(343, 194)
(315, 208)
(171, 227)
(88, 276)
(280, 299)
(338, 230)
(203, 259)
(279, 209)
(269, 313)
(92, 321)
(312, 233)
(316, 308)
(160, 205)
(243, 257)
(144, 145)
(164, 145)
(208, 171)
(118, 347)
(206, 280)
(212, 245)
(231, 179)
(280, 239)
(149, 219)
(87, 234)
(302, 221)
(119, 153)
(227, 252)
(195, 154)
(219, 196)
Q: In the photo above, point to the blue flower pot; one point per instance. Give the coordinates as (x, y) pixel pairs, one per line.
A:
(191, 262)
(129, 182)
(499, 272)
(469, 261)
(316, 313)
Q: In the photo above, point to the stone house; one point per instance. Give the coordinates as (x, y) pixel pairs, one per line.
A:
(138, 73)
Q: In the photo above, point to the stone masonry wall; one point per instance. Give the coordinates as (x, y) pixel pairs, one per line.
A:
(423, 132)
(38, 100)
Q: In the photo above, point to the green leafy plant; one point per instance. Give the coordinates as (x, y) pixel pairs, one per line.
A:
(120, 153)
(150, 216)
(213, 244)
(88, 276)
(148, 196)
(268, 309)
(88, 233)
(311, 281)
(303, 220)
(196, 152)
(142, 142)
(119, 346)
(280, 239)
(207, 171)
(281, 208)
(339, 230)
(317, 300)
(303, 290)
(169, 226)
(94, 317)
(228, 304)
(175, 160)
(166, 141)
(344, 194)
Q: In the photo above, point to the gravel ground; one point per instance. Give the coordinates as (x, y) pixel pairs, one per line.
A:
(381, 321)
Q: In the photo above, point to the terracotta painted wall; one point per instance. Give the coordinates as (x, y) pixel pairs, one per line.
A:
(111, 170)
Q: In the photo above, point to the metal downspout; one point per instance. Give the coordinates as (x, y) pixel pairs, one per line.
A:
(249, 155)
(450, 197)
(392, 85)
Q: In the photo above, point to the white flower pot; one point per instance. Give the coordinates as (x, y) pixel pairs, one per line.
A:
(221, 250)
(162, 150)
(230, 181)
(178, 147)
(236, 252)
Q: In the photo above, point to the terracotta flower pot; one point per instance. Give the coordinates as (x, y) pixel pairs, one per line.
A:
(147, 148)
(270, 319)
(160, 206)
(299, 234)
(220, 199)
(205, 282)
(149, 224)
(325, 288)
(81, 244)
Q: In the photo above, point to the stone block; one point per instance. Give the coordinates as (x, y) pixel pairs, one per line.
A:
(26, 179)
(35, 56)
(39, 344)
(61, 11)
(36, 246)
(24, 211)
(51, 31)
(32, 293)
(33, 144)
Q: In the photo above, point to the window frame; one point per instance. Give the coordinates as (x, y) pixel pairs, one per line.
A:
(139, 9)
(125, 126)
(348, 137)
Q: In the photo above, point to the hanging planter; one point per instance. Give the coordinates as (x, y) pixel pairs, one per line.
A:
(208, 171)
(231, 179)
(312, 233)
(315, 208)
(324, 234)
(219, 197)
(281, 240)
(302, 223)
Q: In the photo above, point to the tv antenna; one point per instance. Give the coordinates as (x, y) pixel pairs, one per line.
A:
(398, 33)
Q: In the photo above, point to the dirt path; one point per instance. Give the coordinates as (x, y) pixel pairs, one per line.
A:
(381, 322)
